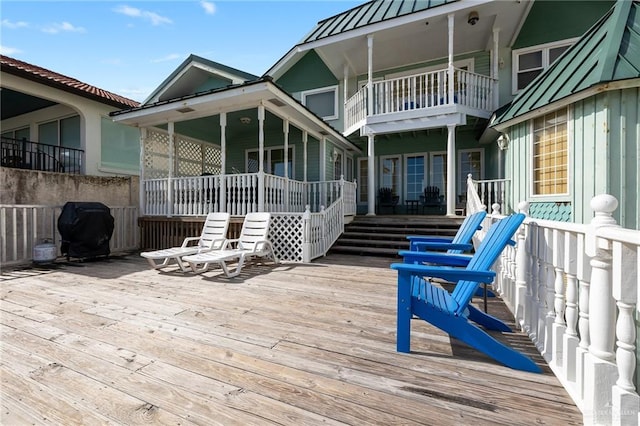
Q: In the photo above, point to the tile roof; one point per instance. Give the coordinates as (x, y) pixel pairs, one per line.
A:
(608, 51)
(369, 13)
(63, 82)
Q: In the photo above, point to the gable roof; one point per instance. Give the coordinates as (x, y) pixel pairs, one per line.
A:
(609, 51)
(212, 68)
(369, 13)
(68, 84)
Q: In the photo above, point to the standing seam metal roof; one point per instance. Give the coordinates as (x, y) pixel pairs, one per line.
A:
(608, 51)
(370, 13)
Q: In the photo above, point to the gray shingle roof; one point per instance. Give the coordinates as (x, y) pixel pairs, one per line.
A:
(608, 51)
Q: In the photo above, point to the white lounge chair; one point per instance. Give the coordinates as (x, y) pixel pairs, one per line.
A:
(214, 233)
(252, 243)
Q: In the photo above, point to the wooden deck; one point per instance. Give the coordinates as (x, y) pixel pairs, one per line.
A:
(115, 342)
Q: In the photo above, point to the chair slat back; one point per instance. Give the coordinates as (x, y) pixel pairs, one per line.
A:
(254, 229)
(497, 238)
(468, 228)
(215, 228)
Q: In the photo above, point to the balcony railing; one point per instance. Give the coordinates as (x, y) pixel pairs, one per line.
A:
(24, 154)
(420, 92)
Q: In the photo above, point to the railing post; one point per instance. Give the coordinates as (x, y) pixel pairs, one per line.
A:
(523, 292)
(323, 230)
(600, 368)
(306, 235)
(558, 326)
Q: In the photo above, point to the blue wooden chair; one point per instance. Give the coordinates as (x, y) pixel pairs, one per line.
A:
(452, 312)
(460, 243)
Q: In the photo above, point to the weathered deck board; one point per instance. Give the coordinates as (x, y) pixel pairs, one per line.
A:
(114, 342)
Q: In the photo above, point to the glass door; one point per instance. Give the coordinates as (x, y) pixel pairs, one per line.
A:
(391, 174)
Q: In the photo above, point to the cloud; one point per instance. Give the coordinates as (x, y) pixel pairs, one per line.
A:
(6, 50)
(209, 8)
(14, 25)
(134, 12)
(56, 28)
(170, 57)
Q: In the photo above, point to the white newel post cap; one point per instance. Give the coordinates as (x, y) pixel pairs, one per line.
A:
(603, 206)
(523, 207)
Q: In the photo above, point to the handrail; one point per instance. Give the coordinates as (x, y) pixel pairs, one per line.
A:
(25, 154)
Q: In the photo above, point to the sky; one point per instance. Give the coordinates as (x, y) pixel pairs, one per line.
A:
(131, 47)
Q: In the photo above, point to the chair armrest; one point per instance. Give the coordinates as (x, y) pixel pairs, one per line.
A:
(445, 273)
(423, 246)
(220, 242)
(229, 242)
(186, 241)
(444, 259)
(427, 238)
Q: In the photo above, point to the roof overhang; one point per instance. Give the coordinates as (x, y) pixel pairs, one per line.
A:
(236, 98)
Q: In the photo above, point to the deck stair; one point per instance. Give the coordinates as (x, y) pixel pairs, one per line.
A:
(385, 235)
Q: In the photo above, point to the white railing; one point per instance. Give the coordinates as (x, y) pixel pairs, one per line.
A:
(491, 191)
(24, 226)
(420, 92)
(574, 289)
(321, 230)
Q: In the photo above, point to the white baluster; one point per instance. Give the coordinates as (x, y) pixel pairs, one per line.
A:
(523, 292)
(559, 325)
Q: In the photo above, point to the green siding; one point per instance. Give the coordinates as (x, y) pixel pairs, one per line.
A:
(313, 159)
(308, 73)
(553, 17)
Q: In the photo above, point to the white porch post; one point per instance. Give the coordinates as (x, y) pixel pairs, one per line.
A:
(371, 171)
(285, 129)
(369, 75)
(494, 72)
(305, 154)
(141, 186)
(450, 67)
(170, 128)
(345, 84)
(323, 171)
(261, 158)
(451, 170)
(223, 162)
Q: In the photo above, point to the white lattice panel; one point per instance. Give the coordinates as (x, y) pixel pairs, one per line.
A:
(285, 233)
(189, 155)
(212, 160)
(156, 155)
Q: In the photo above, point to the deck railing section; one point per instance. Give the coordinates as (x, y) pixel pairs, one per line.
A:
(490, 191)
(22, 227)
(419, 92)
(574, 289)
(24, 154)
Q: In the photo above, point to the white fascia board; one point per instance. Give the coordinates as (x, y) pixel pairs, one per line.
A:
(412, 125)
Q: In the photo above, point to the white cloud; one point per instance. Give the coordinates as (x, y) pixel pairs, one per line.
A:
(134, 12)
(170, 57)
(6, 50)
(209, 8)
(13, 25)
(56, 28)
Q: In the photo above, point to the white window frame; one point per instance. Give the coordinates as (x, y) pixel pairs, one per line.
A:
(326, 89)
(463, 179)
(425, 156)
(267, 158)
(400, 189)
(544, 48)
(551, 197)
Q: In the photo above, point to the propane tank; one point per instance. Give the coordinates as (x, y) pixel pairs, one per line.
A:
(45, 252)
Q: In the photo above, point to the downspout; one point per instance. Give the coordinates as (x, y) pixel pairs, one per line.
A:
(261, 158)
(223, 162)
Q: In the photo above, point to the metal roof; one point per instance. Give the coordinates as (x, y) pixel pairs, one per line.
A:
(369, 13)
(608, 51)
(63, 82)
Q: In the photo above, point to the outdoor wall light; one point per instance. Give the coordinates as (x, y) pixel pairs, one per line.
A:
(503, 142)
(245, 120)
(473, 18)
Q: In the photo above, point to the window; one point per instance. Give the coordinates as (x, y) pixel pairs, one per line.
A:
(337, 166)
(470, 161)
(416, 167)
(18, 134)
(64, 132)
(363, 182)
(349, 171)
(273, 161)
(439, 171)
(550, 154)
(323, 102)
(530, 62)
(391, 174)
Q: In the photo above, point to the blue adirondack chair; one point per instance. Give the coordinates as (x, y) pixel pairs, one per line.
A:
(460, 243)
(452, 312)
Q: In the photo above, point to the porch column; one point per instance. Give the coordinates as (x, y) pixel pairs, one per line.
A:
(170, 128)
(345, 83)
(285, 129)
(371, 179)
(223, 162)
(369, 75)
(495, 66)
(323, 171)
(305, 155)
(261, 158)
(451, 170)
(450, 66)
(141, 187)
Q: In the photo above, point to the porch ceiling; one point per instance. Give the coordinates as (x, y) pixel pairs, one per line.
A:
(229, 100)
(422, 35)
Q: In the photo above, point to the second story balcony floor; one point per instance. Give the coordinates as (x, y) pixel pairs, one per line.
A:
(420, 101)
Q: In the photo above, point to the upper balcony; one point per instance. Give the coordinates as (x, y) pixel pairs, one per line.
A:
(24, 154)
(420, 101)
